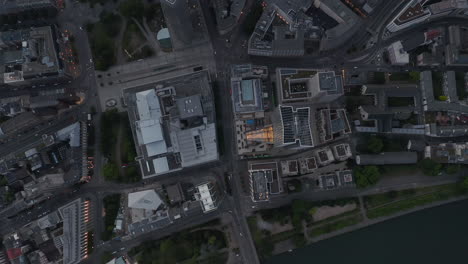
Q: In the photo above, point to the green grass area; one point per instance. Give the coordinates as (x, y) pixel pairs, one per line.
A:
(106, 257)
(127, 146)
(335, 226)
(110, 123)
(379, 78)
(400, 101)
(111, 172)
(285, 235)
(437, 80)
(334, 218)
(133, 41)
(412, 77)
(111, 207)
(102, 39)
(403, 169)
(261, 239)
(460, 81)
(408, 201)
(184, 247)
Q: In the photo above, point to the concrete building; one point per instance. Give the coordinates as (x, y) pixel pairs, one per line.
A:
(227, 14)
(173, 123)
(456, 51)
(332, 124)
(307, 85)
(294, 129)
(347, 23)
(264, 181)
(208, 196)
(29, 55)
(393, 104)
(290, 28)
(17, 6)
(283, 30)
(75, 216)
(253, 131)
(413, 13)
(448, 7)
(387, 158)
(453, 153)
(339, 179)
(397, 55)
(143, 204)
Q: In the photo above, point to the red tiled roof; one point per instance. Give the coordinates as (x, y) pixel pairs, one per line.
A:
(13, 253)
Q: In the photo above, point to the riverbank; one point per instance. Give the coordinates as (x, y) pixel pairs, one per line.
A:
(303, 223)
(370, 222)
(432, 236)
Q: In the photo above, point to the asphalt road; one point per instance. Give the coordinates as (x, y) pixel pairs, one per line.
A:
(228, 49)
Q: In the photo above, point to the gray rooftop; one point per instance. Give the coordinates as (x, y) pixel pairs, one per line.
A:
(387, 158)
(189, 106)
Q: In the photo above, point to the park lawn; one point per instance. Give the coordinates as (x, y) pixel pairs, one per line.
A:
(261, 239)
(399, 169)
(407, 201)
(334, 218)
(437, 80)
(111, 207)
(184, 247)
(412, 77)
(400, 101)
(127, 146)
(460, 82)
(133, 41)
(335, 226)
(110, 123)
(103, 36)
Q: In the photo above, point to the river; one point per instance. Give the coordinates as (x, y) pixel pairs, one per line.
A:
(432, 236)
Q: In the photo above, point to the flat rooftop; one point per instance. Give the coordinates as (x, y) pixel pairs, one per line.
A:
(298, 85)
(173, 123)
(38, 52)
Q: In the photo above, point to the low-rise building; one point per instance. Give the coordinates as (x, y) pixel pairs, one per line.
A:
(387, 158)
(208, 196)
(339, 179)
(18, 6)
(264, 181)
(397, 109)
(29, 55)
(453, 153)
(397, 55)
(307, 85)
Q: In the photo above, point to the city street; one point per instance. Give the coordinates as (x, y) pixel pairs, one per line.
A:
(225, 50)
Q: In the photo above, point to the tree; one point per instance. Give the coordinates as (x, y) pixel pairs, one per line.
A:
(464, 184)
(3, 181)
(366, 176)
(299, 240)
(132, 8)
(375, 144)
(453, 168)
(111, 172)
(430, 167)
